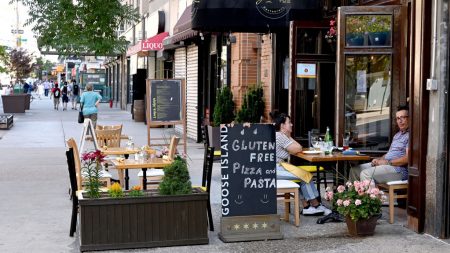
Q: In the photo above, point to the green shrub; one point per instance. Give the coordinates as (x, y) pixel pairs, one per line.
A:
(224, 107)
(252, 107)
(176, 180)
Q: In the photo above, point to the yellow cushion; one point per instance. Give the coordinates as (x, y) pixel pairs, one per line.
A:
(217, 153)
(310, 168)
(298, 172)
(201, 187)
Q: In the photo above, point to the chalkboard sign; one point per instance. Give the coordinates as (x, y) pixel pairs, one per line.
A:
(248, 166)
(165, 100)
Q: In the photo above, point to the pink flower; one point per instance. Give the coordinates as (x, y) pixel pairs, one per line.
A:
(357, 185)
(375, 191)
(332, 22)
(358, 202)
(346, 202)
(361, 192)
(349, 184)
(373, 196)
(339, 202)
(329, 195)
(341, 188)
(332, 31)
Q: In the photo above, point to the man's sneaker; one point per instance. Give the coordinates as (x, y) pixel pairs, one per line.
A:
(312, 211)
(325, 210)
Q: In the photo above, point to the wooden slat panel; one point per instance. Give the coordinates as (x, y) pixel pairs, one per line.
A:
(119, 223)
(142, 235)
(103, 223)
(133, 223)
(163, 221)
(180, 72)
(155, 218)
(192, 92)
(125, 223)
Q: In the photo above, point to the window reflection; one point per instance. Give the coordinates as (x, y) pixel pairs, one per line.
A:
(368, 30)
(368, 100)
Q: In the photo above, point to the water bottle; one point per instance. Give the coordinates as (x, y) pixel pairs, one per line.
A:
(327, 135)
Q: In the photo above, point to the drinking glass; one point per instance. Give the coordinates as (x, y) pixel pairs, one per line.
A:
(346, 141)
(315, 142)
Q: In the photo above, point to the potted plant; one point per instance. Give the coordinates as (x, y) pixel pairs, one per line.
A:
(360, 204)
(378, 28)
(252, 109)
(355, 28)
(223, 114)
(120, 219)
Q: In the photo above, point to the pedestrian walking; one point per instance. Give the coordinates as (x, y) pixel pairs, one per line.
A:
(56, 94)
(75, 94)
(89, 102)
(65, 96)
(40, 90)
(46, 87)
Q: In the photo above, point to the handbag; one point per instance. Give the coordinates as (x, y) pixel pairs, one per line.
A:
(81, 116)
(302, 174)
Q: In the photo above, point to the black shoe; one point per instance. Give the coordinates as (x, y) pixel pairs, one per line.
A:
(332, 217)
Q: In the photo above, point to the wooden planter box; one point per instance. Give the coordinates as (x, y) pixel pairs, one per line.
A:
(15, 103)
(141, 222)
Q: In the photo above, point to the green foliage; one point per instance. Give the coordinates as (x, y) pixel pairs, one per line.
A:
(42, 65)
(176, 180)
(82, 26)
(224, 107)
(252, 107)
(368, 23)
(19, 64)
(357, 200)
(4, 60)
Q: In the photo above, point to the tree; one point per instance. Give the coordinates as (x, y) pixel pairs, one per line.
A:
(253, 106)
(82, 26)
(4, 60)
(20, 64)
(40, 65)
(224, 107)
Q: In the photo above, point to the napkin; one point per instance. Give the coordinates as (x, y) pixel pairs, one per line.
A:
(350, 152)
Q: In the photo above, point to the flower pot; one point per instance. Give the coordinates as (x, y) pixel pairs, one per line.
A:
(378, 38)
(354, 39)
(14, 103)
(361, 227)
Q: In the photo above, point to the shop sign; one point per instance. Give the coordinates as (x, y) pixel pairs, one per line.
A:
(306, 70)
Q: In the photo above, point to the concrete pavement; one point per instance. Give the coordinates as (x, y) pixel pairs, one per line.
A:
(35, 208)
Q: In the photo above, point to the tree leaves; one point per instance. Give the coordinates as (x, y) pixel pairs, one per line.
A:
(88, 26)
(20, 63)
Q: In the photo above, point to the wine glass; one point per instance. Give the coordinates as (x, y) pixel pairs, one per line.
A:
(315, 142)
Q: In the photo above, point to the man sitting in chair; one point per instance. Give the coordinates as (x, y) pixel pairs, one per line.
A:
(393, 165)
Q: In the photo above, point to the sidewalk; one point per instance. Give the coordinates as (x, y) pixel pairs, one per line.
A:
(35, 208)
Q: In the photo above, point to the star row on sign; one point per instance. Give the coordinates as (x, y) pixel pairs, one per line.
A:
(247, 226)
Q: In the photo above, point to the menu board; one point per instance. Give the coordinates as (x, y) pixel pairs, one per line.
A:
(248, 166)
(165, 100)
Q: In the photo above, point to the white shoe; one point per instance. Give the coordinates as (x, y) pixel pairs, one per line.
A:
(312, 211)
(325, 210)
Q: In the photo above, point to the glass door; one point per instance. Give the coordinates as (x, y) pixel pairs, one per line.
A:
(370, 71)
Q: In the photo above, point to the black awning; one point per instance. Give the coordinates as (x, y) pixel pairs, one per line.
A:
(183, 28)
(251, 15)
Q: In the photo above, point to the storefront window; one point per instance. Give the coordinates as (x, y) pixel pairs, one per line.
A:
(368, 30)
(312, 41)
(368, 100)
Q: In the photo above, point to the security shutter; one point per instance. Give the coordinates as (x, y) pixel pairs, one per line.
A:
(180, 72)
(192, 92)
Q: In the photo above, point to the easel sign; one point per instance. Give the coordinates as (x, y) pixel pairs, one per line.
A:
(249, 184)
(88, 125)
(166, 105)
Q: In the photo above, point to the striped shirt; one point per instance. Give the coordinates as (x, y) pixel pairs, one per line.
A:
(397, 150)
(282, 143)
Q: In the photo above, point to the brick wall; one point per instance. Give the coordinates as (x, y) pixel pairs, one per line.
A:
(244, 66)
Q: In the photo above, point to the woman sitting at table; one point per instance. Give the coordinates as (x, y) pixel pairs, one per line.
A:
(286, 145)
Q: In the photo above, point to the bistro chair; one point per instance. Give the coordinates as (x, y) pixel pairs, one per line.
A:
(105, 177)
(391, 187)
(74, 190)
(206, 181)
(206, 143)
(109, 137)
(290, 193)
(154, 176)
